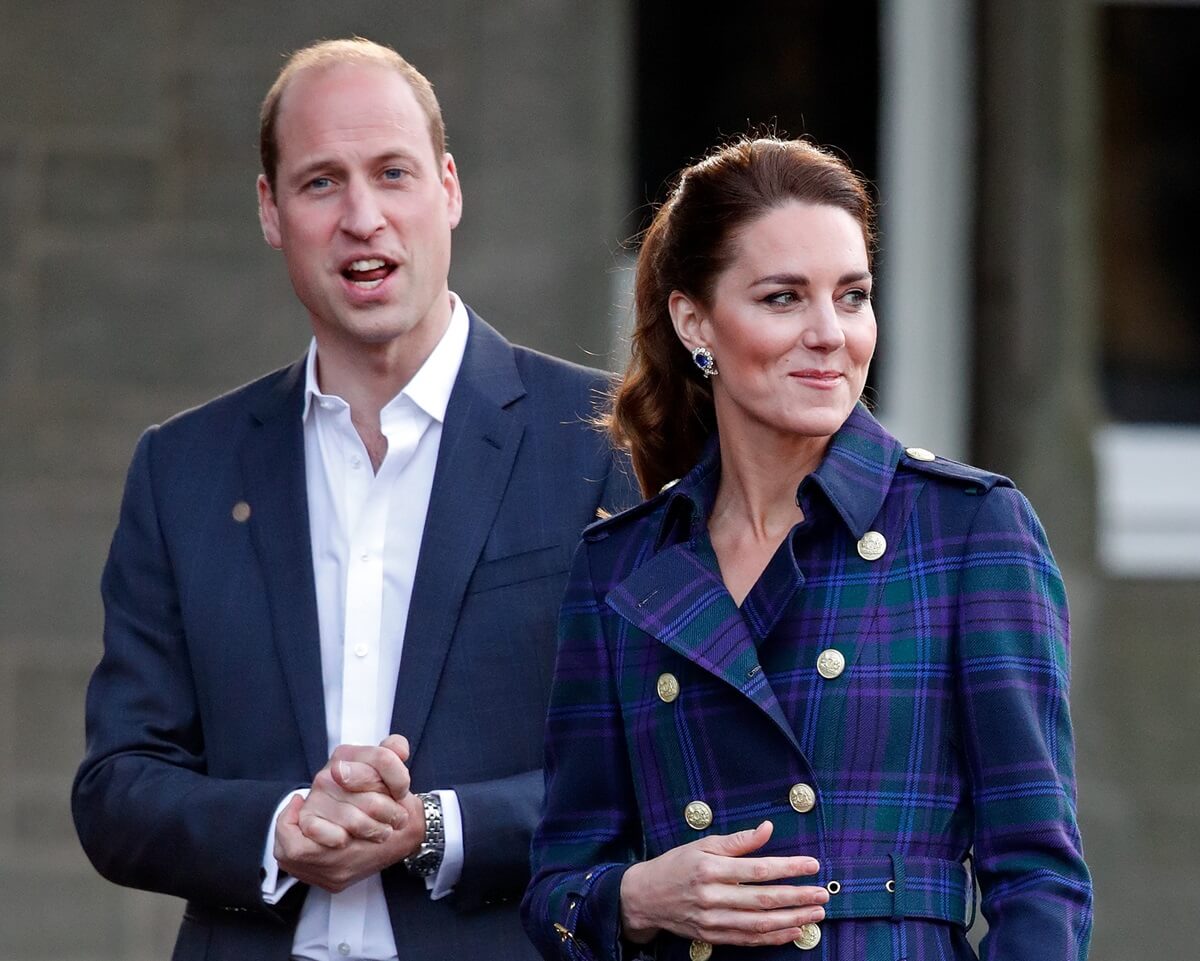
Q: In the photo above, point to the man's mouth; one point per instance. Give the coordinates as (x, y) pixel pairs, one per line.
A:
(369, 273)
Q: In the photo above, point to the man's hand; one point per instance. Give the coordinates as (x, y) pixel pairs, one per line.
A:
(358, 795)
(358, 818)
(336, 868)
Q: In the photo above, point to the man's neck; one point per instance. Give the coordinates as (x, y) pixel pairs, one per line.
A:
(369, 376)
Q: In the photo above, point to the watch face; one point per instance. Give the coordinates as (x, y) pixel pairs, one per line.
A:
(426, 862)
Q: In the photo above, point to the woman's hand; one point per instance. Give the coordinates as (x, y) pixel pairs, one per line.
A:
(709, 890)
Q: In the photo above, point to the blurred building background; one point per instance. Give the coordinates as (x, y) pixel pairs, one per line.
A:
(1039, 315)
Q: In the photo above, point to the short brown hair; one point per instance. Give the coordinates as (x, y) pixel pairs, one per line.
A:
(328, 53)
(662, 409)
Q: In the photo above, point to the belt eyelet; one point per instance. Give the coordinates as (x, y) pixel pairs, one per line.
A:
(833, 887)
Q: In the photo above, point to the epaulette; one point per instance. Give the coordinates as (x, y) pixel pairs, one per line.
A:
(600, 529)
(921, 460)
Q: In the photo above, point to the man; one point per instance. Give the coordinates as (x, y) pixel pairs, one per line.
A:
(330, 599)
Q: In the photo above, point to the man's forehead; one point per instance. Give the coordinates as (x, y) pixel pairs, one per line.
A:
(332, 98)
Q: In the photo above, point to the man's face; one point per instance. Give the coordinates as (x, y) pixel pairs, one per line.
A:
(362, 208)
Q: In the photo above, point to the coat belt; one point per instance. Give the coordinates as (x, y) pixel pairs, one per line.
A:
(898, 886)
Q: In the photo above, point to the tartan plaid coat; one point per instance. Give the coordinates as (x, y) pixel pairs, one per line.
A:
(945, 732)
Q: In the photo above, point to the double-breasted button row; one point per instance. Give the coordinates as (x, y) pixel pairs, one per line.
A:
(830, 664)
(801, 797)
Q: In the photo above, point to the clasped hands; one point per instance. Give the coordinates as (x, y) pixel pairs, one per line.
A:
(358, 819)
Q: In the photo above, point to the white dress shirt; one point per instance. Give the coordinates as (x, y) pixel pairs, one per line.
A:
(366, 534)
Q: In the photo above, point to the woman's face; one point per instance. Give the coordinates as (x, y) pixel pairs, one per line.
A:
(789, 324)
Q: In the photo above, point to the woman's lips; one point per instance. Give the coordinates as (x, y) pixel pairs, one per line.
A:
(821, 379)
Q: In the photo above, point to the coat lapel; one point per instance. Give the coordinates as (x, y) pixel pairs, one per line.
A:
(678, 599)
(272, 461)
(480, 438)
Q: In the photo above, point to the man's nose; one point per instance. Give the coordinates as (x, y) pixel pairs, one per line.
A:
(362, 214)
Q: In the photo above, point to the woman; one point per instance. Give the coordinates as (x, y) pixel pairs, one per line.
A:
(799, 687)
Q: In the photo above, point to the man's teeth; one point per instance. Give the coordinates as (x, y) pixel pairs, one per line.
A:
(373, 264)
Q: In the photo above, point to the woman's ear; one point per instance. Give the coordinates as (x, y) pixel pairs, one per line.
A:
(687, 320)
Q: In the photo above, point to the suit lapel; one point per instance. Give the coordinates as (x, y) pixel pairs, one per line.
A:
(479, 444)
(272, 461)
(682, 602)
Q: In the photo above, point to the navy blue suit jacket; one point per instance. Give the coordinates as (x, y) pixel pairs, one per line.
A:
(207, 706)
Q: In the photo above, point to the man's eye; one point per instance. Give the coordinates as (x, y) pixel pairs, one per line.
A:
(319, 183)
(394, 173)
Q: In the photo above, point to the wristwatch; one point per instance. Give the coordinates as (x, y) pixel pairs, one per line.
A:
(426, 859)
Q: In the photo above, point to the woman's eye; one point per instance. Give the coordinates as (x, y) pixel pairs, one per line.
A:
(783, 298)
(856, 297)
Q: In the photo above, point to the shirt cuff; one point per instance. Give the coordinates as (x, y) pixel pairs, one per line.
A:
(442, 882)
(276, 884)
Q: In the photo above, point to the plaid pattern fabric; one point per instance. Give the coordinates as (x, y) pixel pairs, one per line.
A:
(946, 731)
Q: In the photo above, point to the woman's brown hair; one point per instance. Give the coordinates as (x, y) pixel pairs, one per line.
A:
(662, 409)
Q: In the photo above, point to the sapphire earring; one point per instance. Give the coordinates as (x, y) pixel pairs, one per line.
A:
(702, 357)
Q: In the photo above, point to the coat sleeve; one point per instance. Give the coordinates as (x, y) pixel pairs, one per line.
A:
(147, 813)
(1013, 669)
(590, 832)
(499, 815)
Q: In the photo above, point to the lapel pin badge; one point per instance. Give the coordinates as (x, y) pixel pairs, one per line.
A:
(241, 512)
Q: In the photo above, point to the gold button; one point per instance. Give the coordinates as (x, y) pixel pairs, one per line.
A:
(668, 687)
(871, 546)
(810, 937)
(241, 512)
(668, 485)
(802, 798)
(919, 453)
(700, 951)
(830, 664)
(698, 815)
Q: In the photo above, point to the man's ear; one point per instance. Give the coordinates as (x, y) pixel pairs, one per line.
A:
(268, 213)
(688, 319)
(453, 190)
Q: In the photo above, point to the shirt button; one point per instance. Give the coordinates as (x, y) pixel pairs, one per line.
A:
(364, 557)
(360, 650)
(343, 948)
(356, 462)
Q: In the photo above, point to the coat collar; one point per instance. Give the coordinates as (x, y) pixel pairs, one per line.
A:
(678, 596)
(854, 477)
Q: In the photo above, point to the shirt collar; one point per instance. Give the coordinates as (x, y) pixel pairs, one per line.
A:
(855, 475)
(429, 388)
